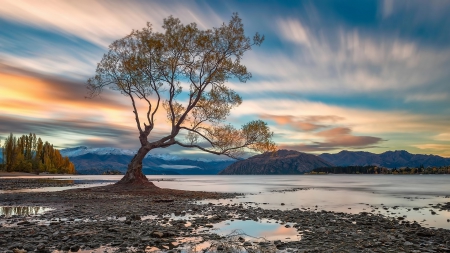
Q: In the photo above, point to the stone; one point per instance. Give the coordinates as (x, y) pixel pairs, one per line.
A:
(408, 243)
(247, 244)
(173, 245)
(75, 248)
(157, 234)
(29, 247)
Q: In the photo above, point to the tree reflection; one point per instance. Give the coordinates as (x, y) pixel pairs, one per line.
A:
(9, 211)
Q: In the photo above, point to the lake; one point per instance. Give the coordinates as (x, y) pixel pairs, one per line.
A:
(408, 196)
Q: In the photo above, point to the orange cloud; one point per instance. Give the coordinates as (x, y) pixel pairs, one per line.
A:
(305, 123)
(335, 138)
(51, 106)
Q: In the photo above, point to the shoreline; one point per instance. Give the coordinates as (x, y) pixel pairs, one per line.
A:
(4, 174)
(85, 218)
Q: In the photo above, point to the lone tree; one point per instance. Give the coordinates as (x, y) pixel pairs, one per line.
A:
(152, 67)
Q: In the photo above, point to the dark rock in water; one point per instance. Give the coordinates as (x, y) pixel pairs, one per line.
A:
(425, 234)
(75, 248)
(280, 162)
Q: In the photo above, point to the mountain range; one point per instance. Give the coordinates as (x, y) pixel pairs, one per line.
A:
(282, 162)
(389, 159)
(99, 160)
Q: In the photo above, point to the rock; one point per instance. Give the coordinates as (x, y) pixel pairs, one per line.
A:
(173, 245)
(41, 248)
(424, 234)
(19, 251)
(29, 247)
(75, 248)
(157, 234)
(408, 243)
(247, 244)
(135, 217)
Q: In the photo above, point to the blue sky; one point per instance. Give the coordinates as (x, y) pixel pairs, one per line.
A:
(331, 75)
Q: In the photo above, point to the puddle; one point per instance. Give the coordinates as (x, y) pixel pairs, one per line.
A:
(253, 230)
(9, 211)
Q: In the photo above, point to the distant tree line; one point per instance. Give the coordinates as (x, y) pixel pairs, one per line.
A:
(112, 172)
(30, 154)
(380, 170)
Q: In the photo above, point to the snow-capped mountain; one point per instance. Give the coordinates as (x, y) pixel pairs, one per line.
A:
(97, 160)
(72, 152)
(82, 150)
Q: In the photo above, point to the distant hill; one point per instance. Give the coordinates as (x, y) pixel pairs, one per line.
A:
(281, 163)
(389, 159)
(98, 160)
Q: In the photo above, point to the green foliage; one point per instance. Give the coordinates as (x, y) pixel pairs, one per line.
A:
(380, 170)
(30, 154)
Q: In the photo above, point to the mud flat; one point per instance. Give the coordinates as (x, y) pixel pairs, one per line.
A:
(141, 219)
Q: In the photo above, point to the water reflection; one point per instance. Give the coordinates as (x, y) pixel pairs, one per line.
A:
(9, 211)
(264, 228)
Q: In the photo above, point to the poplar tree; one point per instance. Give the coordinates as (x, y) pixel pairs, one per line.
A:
(30, 154)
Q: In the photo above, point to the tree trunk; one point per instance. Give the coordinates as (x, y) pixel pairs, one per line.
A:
(134, 173)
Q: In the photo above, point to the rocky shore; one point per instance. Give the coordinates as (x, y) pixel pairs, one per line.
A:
(142, 220)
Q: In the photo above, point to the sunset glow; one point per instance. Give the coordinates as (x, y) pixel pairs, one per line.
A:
(325, 79)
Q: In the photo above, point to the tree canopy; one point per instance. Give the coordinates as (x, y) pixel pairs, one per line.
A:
(184, 71)
(28, 153)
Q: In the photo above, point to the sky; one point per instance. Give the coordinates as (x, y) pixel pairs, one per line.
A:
(331, 75)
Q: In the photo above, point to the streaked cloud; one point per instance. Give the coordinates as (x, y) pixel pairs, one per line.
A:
(432, 148)
(336, 138)
(330, 75)
(304, 123)
(427, 97)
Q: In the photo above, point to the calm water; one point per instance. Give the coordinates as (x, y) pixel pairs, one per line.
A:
(343, 193)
